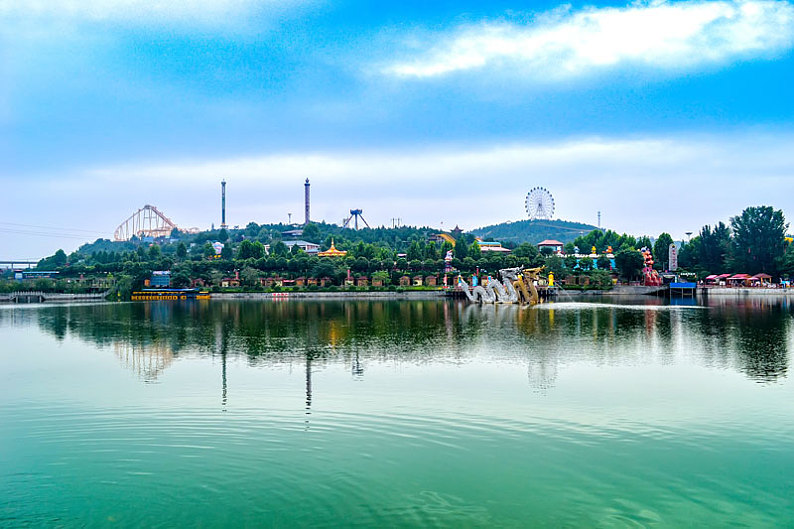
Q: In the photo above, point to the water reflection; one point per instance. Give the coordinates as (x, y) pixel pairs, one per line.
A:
(751, 336)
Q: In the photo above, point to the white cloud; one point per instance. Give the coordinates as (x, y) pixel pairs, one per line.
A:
(660, 35)
(641, 186)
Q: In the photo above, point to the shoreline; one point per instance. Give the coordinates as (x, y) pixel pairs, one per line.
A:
(563, 295)
(278, 296)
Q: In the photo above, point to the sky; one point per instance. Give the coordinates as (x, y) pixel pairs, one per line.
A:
(663, 116)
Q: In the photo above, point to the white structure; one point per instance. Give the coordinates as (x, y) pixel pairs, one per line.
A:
(539, 204)
(308, 247)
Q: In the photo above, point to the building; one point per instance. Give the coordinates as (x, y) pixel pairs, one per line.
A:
(228, 282)
(293, 233)
(554, 246)
(27, 275)
(308, 247)
(160, 279)
(491, 246)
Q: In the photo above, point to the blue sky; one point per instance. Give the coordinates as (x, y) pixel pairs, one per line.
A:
(662, 115)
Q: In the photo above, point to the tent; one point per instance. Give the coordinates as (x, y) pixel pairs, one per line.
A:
(763, 279)
(739, 279)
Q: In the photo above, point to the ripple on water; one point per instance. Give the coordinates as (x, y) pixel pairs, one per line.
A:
(376, 469)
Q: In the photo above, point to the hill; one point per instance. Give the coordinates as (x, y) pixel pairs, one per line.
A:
(534, 231)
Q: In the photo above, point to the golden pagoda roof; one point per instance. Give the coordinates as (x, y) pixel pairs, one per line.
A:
(332, 251)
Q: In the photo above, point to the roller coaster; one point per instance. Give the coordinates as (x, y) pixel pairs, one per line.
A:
(147, 222)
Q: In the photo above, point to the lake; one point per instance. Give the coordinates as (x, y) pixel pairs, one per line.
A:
(630, 413)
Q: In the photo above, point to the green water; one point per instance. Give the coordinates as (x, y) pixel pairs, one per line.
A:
(396, 414)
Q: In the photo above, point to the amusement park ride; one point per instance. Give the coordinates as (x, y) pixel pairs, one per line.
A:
(651, 276)
(539, 204)
(147, 222)
(517, 286)
(355, 214)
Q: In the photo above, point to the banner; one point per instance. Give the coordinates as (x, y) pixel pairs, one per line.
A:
(673, 257)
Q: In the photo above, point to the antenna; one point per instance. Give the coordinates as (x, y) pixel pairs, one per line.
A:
(306, 202)
(223, 205)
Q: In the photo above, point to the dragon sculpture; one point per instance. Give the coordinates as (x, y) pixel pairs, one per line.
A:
(517, 286)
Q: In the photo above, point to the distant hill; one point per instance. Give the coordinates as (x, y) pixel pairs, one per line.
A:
(534, 231)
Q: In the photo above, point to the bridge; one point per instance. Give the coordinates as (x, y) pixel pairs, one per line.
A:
(18, 263)
(38, 296)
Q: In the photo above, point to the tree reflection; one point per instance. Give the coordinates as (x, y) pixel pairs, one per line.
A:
(751, 336)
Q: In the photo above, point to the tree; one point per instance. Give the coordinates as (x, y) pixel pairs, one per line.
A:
(250, 276)
(323, 269)
(710, 249)
(585, 264)
(154, 252)
(180, 277)
(474, 251)
(525, 250)
(226, 252)
(361, 264)
(644, 242)
(661, 250)
(59, 259)
(414, 252)
(759, 240)
(311, 232)
(555, 264)
(629, 263)
(279, 248)
(246, 250)
(223, 235)
(430, 251)
(380, 275)
(601, 278)
(181, 251)
(251, 229)
(461, 250)
(787, 262)
(569, 248)
(604, 263)
(570, 261)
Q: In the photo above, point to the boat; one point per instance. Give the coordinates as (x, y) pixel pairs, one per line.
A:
(169, 294)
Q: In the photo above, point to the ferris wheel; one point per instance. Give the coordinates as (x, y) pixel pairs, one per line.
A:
(540, 204)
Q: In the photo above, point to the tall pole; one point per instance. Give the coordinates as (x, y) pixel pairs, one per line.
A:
(306, 185)
(223, 204)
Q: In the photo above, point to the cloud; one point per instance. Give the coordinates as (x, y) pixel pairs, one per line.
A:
(563, 44)
(641, 186)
